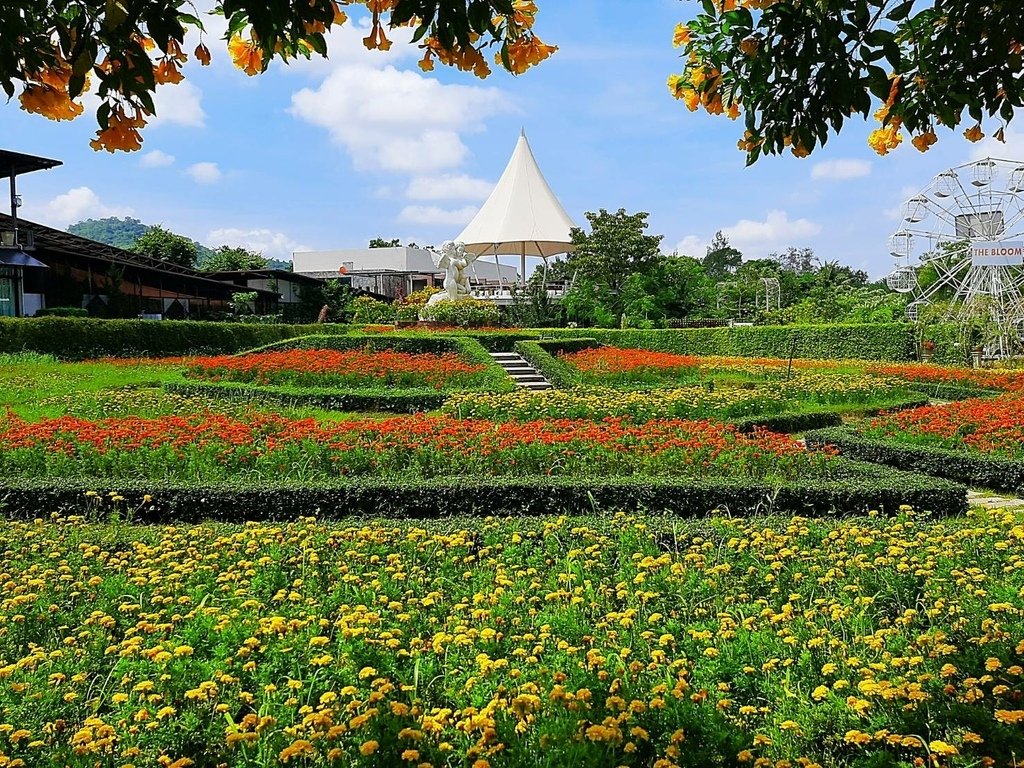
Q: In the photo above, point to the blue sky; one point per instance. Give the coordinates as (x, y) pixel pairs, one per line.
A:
(329, 154)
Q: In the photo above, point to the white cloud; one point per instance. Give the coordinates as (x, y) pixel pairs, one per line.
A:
(840, 170)
(156, 159)
(204, 173)
(437, 216)
(74, 206)
(691, 245)
(1012, 148)
(179, 104)
(397, 120)
(273, 245)
(448, 187)
(896, 211)
(757, 239)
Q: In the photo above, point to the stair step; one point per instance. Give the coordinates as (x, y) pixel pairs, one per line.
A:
(535, 385)
(521, 369)
(528, 379)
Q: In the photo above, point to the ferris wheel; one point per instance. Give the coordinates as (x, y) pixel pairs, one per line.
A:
(964, 233)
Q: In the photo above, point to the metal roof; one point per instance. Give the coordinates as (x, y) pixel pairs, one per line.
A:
(49, 239)
(15, 163)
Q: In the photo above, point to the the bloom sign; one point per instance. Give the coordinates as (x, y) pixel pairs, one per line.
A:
(1004, 254)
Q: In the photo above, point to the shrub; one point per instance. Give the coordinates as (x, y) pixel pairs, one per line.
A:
(85, 338)
(464, 313)
(870, 341)
(368, 311)
(866, 487)
(976, 470)
(62, 312)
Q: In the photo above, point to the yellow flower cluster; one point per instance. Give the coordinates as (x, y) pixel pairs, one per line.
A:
(684, 402)
(501, 643)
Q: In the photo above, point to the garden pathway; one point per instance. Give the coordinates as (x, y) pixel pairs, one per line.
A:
(524, 374)
(994, 501)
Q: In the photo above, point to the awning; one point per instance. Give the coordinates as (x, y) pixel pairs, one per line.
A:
(19, 259)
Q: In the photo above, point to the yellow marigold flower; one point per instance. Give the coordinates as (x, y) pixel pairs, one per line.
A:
(411, 755)
(1009, 716)
(974, 134)
(858, 737)
(298, 748)
(246, 55)
(942, 748)
(368, 747)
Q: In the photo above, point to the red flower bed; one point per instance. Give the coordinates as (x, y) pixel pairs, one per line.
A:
(991, 426)
(1009, 381)
(214, 447)
(324, 367)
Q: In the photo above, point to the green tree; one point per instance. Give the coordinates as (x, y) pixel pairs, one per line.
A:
(721, 260)
(616, 247)
(120, 233)
(380, 242)
(797, 71)
(162, 244)
(229, 258)
(49, 48)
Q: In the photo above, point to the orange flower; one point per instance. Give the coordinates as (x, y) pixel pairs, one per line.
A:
(53, 103)
(526, 52)
(340, 17)
(924, 141)
(681, 36)
(167, 72)
(121, 133)
(203, 55)
(246, 55)
(974, 134)
(427, 62)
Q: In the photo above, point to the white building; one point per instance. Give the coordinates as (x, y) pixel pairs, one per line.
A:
(393, 271)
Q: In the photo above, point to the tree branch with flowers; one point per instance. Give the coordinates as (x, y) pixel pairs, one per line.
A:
(52, 52)
(798, 70)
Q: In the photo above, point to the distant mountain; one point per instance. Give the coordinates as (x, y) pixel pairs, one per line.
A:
(120, 233)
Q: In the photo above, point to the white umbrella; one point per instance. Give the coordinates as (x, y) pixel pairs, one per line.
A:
(521, 217)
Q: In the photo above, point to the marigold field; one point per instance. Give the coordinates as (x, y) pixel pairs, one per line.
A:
(564, 642)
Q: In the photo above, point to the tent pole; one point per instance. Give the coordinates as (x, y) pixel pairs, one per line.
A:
(522, 262)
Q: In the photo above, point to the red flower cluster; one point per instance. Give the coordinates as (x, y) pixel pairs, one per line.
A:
(994, 426)
(982, 378)
(217, 447)
(326, 367)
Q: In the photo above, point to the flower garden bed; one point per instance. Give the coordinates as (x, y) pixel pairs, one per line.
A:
(419, 465)
(514, 643)
(979, 441)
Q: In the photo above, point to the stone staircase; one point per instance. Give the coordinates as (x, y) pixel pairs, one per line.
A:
(524, 374)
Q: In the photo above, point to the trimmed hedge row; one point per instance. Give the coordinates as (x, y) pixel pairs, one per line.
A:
(73, 338)
(996, 473)
(867, 487)
(801, 422)
(543, 355)
(389, 401)
(868, 341)
(951, 391)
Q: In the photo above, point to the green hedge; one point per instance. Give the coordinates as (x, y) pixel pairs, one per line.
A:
(999, 474)
(543, 355)
(951, 391)
(948, 349)
(62, 312)
(801, 422)
(868, 341)
(72, 338)
(867, 487)
(389, 401)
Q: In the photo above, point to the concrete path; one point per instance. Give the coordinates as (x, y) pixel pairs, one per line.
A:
(993, 501)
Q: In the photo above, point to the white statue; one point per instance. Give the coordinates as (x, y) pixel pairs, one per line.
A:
(453, 259)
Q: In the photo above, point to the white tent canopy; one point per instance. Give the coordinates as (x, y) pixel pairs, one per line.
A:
(522, 216)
